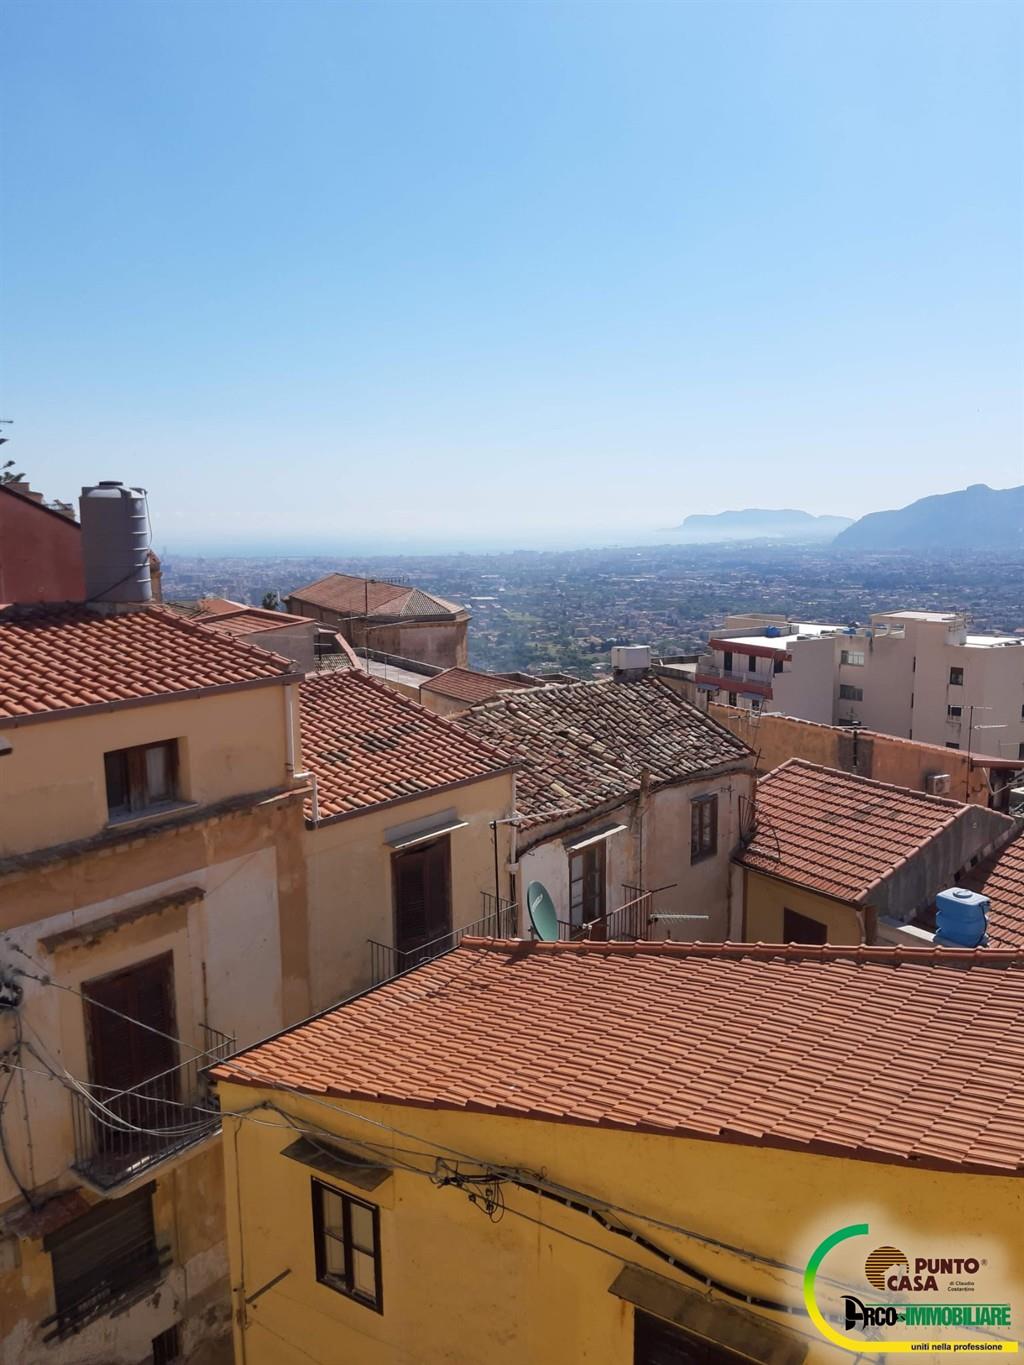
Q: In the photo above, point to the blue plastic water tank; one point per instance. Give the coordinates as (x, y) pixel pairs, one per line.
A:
(772, 632)
(961, 918)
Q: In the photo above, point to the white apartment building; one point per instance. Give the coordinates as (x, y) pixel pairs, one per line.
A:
(916, 674)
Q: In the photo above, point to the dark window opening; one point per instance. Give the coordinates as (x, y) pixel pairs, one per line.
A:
(777, 665)
(727, 661)
(587, 869)
(133, 1066)
(103, 1261)
(346, 1234)
(141, 778)
(656, 1342)
(847, 692)
(797, 928)
(166, 1347)
(421, 878)
(703, 828)
(732, 698)
(956, 677)
(751, 663)
(951, 745)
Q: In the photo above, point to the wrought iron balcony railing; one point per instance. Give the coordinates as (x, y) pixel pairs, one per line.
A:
(501, 920)
(630, 922)
(119, 1134)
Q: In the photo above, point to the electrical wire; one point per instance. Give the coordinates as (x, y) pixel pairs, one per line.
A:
(25, 1194)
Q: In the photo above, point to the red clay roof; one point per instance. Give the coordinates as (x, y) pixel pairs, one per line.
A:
(899, 1054)
(369, 745)
(349, 595)
(1001, 878)
(466, 684)
(56, 659)
(839, 833)
(587, 745)
(250, 620)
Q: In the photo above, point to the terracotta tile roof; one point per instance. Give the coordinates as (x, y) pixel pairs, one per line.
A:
(587, 744)
(369, 745)
(250, 620)
(466, 684)
(55, 659)
(839, 833)
(1001, 878)
(350, 595)
(793, 1046)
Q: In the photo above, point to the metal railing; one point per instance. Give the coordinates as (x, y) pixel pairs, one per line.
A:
(118, 1134)
(630, 922)
(500, 920)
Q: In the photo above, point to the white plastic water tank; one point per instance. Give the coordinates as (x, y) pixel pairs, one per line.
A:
(115, 543)
(628, 657)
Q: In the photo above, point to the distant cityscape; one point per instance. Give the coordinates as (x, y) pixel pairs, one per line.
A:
(537, 610)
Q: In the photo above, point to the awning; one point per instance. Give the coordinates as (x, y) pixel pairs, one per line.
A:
(400, 841)
(594, 837)
(748, 1334)
(329, 1159)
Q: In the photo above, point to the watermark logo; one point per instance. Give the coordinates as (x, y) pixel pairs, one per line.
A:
(924, 1295)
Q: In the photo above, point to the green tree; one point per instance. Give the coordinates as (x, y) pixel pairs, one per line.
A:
(8, 474)
(271, 602)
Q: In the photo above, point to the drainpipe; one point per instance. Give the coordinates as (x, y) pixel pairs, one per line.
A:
(289, 735)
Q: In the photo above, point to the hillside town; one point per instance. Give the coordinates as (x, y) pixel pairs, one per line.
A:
(345, 983)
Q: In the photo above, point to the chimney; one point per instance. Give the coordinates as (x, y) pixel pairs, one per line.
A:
(630, 662)
(115, 544)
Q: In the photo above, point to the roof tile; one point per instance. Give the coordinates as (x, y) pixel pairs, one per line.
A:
(368, 745)
(748, 1056)
(58, 658)
(590, 743)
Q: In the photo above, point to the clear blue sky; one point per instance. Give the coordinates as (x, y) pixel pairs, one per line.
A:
(453, 269)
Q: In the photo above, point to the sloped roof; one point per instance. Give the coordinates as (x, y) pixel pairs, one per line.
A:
(57, 659)
(588, 744)
(747, 1043)
(350, 595)
(1001, 878)
(466, 684)
(842, 834)
(250, 620)
(368, 745)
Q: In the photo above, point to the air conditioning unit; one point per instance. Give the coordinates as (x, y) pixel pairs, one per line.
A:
(938, 784)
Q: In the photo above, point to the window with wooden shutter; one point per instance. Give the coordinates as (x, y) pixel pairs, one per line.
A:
(104, 1260)
(703, 828)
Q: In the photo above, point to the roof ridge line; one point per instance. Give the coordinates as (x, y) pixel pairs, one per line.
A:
(728, 948)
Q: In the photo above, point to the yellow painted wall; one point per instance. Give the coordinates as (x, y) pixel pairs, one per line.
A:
(767, 898)
(350, 882)
(188, 1216)
(533, 1287)
(53, 788)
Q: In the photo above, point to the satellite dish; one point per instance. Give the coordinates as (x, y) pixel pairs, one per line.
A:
(543, 919)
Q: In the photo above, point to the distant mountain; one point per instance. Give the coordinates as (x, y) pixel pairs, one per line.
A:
(756, 523)
(977, 517)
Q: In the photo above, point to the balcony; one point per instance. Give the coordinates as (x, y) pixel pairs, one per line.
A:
(630, 922)
(500, 920)
(710, 675)
(120, 1134)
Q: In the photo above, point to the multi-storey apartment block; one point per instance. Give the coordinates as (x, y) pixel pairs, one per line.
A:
(917, 674)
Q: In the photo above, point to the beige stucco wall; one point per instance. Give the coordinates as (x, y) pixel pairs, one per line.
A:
(900, 762)
(652, 852)
(915, 666)
(766, 898)
(350, 881)
(240, 964)
(53, 788)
